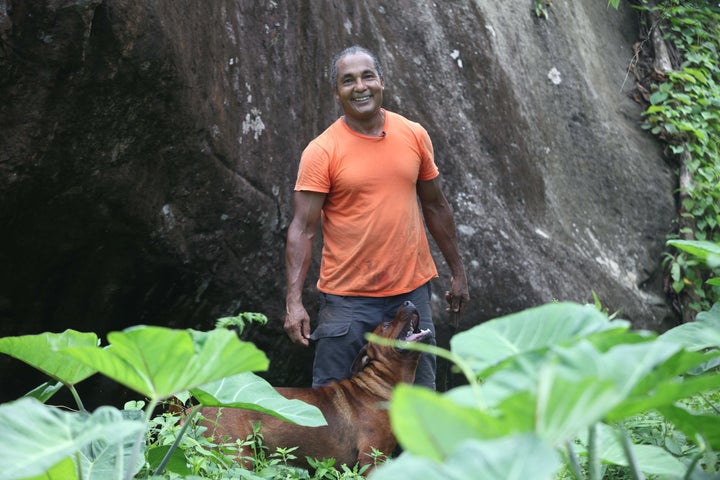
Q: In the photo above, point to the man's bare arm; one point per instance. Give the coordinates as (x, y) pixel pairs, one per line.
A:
(298, 254)
(439, 220)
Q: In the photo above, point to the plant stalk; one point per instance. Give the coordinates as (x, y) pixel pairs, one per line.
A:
(173, 447)
(76, 396)
(632, 462)
(574, 464)
(593, 457)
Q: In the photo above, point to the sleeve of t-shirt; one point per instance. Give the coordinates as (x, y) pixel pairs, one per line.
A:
(428, 168)
(313, 172)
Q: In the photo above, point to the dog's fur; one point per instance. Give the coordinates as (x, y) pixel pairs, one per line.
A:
(355, 408)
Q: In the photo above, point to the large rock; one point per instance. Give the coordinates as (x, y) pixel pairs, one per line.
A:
(149, 151)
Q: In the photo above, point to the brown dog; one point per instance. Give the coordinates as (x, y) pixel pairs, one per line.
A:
(355, 407)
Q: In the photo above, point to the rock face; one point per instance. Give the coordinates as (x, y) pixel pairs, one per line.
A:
(149, 150)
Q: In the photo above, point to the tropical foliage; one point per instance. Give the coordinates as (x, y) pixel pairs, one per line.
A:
(156, 362)
(556, 390)
(684, 112)
(558, 384)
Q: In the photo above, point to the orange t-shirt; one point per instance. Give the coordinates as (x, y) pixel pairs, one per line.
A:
(374, 241)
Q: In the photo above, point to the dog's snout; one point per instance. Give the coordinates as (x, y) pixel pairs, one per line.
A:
(408, 303)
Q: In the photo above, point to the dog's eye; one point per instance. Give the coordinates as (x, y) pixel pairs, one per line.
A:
(385, 326)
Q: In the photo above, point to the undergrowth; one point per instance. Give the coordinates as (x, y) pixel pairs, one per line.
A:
(208, 457)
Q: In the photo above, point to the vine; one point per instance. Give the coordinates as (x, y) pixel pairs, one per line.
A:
(685, 112)
(682, 91)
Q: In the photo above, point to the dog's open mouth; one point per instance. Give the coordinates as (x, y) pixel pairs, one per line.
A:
(413, 332)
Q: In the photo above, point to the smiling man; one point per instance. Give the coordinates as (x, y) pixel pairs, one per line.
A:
(362, 178)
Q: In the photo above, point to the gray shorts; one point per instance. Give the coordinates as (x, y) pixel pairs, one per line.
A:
(343, 323)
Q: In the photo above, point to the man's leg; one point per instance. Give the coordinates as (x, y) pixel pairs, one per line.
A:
(340, 334)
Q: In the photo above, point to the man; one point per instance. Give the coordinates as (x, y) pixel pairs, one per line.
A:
(362, 178)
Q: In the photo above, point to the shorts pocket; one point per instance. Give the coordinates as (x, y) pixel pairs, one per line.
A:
(334, 317)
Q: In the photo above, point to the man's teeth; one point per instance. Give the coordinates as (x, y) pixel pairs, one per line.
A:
(361, 99)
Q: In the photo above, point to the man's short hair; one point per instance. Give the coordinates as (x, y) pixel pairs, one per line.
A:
(355, 49)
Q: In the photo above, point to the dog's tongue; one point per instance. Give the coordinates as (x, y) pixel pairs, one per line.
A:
(421, 335)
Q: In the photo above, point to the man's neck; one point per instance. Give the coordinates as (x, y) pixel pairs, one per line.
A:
(373, 126)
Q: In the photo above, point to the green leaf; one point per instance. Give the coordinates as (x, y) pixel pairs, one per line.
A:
(655, 109)
(65, 470)
(109, 457)
(178, 460)
(666, 391)
(427, 424)
(705, 426)
(519, 457)
(36, 437)
(241, 320)
(567, 406)
(569, 388)
(44, 391)
(45, 352)
(630, 365)
(644, 375)
(701, 250)
(250, 392)
(658, 97)
(159, 362)
(533, 329)
(703, 333)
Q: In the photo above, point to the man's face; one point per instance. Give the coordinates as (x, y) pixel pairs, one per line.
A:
(359, 88)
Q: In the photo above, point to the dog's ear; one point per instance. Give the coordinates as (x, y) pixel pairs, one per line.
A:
(360, 361)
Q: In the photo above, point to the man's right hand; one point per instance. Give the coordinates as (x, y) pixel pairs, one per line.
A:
(297, 325)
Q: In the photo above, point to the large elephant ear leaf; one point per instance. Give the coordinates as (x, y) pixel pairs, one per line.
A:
(517, 457)
(36, 437)
(248, 391)
(701, 334)
(159, 362)
(534, 329)
(45, 352)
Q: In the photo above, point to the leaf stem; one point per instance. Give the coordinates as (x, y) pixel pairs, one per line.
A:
(593, 458)
(173, 447)
(76, 396)
(573, 462)
(632, 462)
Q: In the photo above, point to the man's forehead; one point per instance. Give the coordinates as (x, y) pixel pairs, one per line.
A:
(355, 63)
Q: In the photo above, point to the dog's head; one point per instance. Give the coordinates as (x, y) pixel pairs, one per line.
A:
(404, 327)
